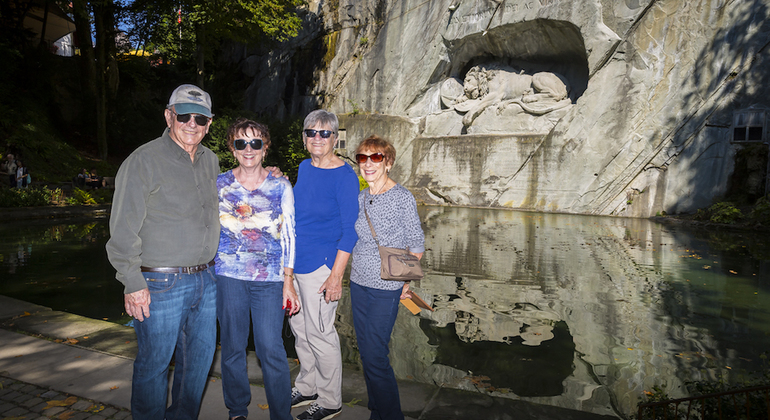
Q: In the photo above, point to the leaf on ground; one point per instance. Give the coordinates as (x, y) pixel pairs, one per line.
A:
(263, 406)
(353, 402)
(71, 341)
(60, 403)
(66, 415)
(95, 408)
(112, 388)
(25, 314)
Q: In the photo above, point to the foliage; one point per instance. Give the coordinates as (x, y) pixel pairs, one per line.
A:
(180, 29)
(730, 407)
(724, 212)
(80, 197)
(761, 211)
(355, 110)
(721, 212)
(286, 150)
(26, 197)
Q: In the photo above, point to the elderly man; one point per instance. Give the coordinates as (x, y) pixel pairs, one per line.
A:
(164, 231)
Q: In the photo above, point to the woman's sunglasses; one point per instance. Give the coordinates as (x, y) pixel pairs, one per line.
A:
(324, 133)
(201, 120)
(240, 144)
(375, 157)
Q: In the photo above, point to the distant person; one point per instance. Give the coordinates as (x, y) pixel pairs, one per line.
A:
(255, 271)
(326, 196)
(21, 175)
(164, 229)
(95, 181)
(10, 169)
(393, 214)
(80, 179)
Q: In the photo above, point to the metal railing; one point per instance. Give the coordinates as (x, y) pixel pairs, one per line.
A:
(747, 403)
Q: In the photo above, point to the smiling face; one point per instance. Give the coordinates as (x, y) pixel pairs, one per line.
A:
(375, 174)
(187, 135)
(248, 157)
(319, 146)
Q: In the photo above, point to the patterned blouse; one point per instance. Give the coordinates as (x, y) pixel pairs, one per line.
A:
(257, 237)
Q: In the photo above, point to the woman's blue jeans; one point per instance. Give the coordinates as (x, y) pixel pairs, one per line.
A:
(374, 314)
(182, 322)
(235, 299)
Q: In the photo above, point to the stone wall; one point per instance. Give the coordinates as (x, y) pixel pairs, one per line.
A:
(653, 87)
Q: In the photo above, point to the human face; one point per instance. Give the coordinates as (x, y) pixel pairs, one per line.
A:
(317, 145)
(375, 174)
(187, 135)
(248, 157)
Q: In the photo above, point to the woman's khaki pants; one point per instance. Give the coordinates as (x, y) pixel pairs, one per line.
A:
(317, 342)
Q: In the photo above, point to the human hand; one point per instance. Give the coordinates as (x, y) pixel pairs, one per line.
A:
(290, 298)
(276, 172)
(405, 293)
(138, 304)
(332, 288)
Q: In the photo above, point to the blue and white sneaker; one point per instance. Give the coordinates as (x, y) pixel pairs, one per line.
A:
(316, 412)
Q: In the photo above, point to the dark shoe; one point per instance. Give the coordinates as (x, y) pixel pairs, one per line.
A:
(298, 400)
(316, 412)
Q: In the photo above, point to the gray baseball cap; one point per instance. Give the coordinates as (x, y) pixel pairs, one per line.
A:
(190, 99)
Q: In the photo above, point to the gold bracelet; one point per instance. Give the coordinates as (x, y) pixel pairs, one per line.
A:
(291, 276)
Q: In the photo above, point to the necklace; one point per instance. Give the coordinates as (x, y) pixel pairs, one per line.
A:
(371, 196)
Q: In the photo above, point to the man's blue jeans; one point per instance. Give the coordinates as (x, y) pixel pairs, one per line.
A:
(235, 299)
(374, 314)
(182, 319)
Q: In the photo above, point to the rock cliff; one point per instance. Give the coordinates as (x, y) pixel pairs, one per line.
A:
(657, 94)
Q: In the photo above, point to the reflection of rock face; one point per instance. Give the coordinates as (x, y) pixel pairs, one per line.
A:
(582, 302)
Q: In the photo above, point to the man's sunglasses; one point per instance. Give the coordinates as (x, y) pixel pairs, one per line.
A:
(324, 133)
(240, 144)
(201, 120)
(375, 157)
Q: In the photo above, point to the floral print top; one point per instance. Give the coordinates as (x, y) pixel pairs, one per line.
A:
(257, 235)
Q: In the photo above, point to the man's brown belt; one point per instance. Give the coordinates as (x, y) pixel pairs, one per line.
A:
(178, 270)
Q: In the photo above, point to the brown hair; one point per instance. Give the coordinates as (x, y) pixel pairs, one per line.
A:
(245, 125)
(378, 144)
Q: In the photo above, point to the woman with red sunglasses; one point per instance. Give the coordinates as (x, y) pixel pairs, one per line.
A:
(393, 214)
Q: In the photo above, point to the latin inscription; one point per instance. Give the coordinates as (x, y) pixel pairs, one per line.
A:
(484, 15)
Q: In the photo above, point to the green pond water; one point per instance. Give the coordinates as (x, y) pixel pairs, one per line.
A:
(573, 311)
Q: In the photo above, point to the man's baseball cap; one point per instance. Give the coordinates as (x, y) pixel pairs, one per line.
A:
(190, 99)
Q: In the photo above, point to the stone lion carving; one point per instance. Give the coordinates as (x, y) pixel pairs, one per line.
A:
(483, 87)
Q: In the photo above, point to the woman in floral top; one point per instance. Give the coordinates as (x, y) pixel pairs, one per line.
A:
(255, 271)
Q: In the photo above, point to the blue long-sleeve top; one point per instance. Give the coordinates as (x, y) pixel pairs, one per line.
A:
(326, 209)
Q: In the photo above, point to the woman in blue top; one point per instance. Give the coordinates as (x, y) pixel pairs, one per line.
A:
(254, 265)
(327, 206)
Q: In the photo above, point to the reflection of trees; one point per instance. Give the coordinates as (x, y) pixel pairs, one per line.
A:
(525, 370)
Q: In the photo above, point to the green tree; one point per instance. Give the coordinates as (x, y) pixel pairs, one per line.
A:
(197, 28)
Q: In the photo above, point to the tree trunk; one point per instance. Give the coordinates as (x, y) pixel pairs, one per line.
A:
(200, 42)
(87, 61)
(105, 47)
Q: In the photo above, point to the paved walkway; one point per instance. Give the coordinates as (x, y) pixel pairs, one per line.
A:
(58, 365)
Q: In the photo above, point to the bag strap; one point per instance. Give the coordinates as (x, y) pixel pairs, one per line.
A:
(374, 234)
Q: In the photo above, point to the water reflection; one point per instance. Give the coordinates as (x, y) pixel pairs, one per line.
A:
(573, 311)
(60, 265)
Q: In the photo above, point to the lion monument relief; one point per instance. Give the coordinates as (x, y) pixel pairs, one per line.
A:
(486, 86)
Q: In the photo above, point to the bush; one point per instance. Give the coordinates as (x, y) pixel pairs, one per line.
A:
(27, 197)
(724, 212)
